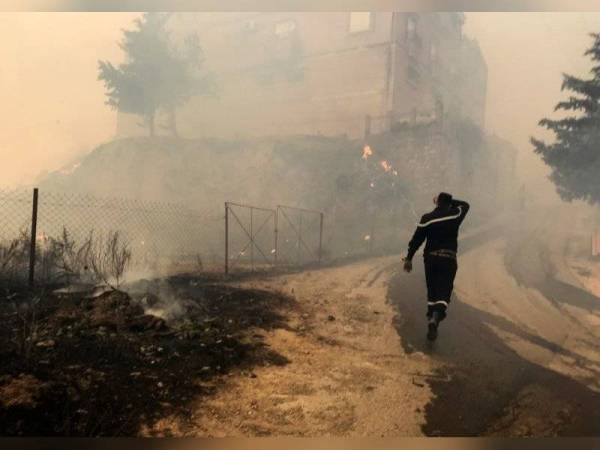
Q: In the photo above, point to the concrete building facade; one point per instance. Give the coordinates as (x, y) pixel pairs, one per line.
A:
(338, 73)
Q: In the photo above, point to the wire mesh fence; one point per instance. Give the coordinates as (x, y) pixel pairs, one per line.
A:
(15, 212)
(159, 236)
(157, 232)
(153, 237)
(166, 237)
(15, 236)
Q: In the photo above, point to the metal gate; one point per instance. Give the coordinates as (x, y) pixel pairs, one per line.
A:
(299, 236)
(250, 237)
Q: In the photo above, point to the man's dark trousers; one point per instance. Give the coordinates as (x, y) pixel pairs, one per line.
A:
(439, 276)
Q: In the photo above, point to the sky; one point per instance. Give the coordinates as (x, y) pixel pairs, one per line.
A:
(53, 110)
(526, 54)
(52, 106)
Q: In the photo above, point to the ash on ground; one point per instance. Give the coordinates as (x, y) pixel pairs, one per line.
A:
(108, 363)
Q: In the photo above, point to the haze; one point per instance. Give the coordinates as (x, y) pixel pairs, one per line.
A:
(53, 107)
(250, 261)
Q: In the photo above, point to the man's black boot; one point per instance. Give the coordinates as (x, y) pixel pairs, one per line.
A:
(432, 326)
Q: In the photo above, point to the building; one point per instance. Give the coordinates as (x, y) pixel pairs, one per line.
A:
(338, 73)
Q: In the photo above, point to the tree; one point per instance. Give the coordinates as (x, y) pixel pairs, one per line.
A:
(157, 74)
(574, 157)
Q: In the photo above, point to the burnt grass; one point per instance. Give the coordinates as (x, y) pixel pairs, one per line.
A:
(100, 367)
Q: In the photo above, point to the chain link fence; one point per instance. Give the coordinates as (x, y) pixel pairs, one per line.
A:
(15, 236)
(163, 238)
(160, 237)
(157, 233)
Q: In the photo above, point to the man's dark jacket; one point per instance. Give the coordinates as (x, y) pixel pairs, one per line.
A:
(440, 228)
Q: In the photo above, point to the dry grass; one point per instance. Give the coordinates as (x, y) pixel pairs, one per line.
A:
(62, 260)
(109, 259)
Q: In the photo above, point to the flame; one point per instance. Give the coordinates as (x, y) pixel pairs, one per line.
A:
(366, 152)
(42, 238)
(395, 172)
(372, 185)
(367, 237)
(386, 165)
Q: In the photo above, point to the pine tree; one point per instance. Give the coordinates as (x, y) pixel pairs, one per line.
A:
(574, 157)
(156, 75)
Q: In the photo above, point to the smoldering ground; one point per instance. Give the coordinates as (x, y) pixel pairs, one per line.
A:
(113, 364)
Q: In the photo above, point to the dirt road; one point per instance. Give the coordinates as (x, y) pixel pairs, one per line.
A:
(520, 346)
(347, 372)
(518, 355)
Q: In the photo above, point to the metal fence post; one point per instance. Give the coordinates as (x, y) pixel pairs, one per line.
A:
(276, 221)
(34, 213)
(251, 240)
(226, 238)
(321, 238)
(299, 238)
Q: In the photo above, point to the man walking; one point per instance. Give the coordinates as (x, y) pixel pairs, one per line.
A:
(440, 229)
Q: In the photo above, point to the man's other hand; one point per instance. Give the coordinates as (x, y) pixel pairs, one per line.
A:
(407, 265)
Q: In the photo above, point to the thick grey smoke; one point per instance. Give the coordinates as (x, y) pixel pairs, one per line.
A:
(57, 115)
(527, 53)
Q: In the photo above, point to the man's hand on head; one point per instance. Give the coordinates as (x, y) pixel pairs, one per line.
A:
(407, 265)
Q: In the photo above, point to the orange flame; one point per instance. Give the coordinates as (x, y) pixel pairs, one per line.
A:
(386, 165)
(366, 152)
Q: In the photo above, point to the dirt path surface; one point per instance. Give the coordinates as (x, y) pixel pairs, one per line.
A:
(516, 362)
(348, 374)
(518, 355)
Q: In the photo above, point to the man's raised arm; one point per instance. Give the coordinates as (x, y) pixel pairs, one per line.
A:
(463, 207)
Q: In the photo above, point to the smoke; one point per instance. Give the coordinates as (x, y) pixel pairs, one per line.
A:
(52, 107)
(526, 54)
(53, 112)
(159, 298)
